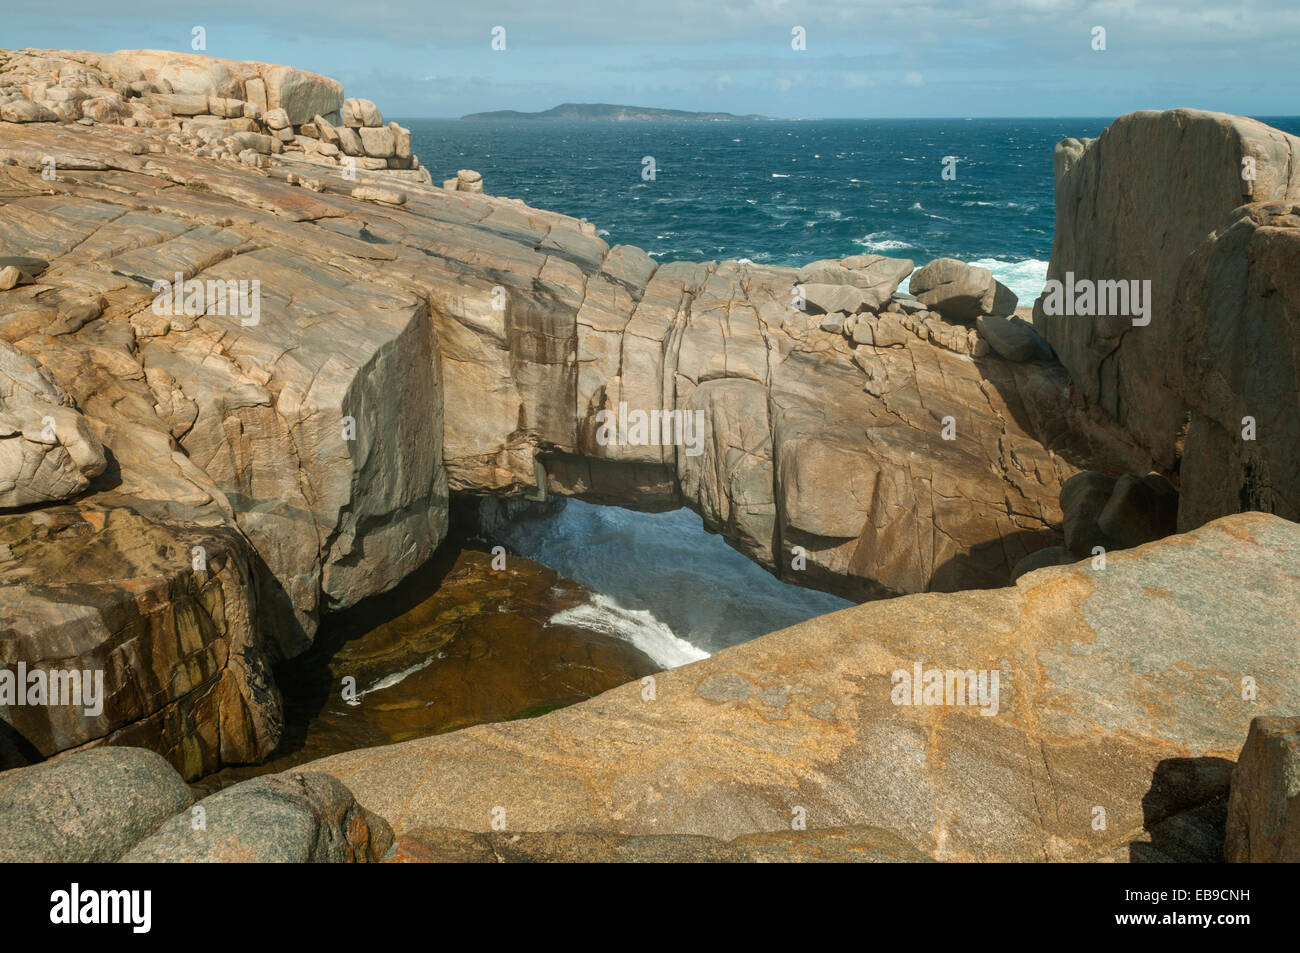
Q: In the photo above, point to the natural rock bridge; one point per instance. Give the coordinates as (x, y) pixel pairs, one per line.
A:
(256, 474)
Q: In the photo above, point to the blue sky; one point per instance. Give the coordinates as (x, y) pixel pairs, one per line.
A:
(869, 58)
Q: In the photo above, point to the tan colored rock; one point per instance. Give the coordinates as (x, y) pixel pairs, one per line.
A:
(1264, 806)
(276, 119)
(1234, 364)
(377, 142)
(301, 94)
(467, 180)
(401, 141)
(371, 193)
(24, 110)
(1106, 185)
(350, 142)
(360, 113)
(1095, 706)
(958, 291)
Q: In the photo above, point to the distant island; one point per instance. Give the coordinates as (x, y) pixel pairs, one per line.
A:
(606, 111)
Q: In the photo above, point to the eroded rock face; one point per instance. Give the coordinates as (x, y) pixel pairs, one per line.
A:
(1185, 171)
(1119, 688)
(48, 452)
(169, 655)
(1237, 366)
(958, 291)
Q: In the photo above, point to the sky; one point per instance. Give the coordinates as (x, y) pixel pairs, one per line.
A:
(862, 58)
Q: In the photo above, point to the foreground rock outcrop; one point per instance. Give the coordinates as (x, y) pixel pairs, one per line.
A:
(296, 818)
(129, 804)
(1122, 701)
(1204, 373)
(87, 806)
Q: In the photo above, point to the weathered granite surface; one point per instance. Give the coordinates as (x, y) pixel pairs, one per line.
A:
(1238, 366)
(87, 805)
(1202, 206)
(1120, 689)
(853, 845)
(294, 818)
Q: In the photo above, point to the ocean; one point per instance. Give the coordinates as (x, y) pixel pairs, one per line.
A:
(771, 192)
(778, 192)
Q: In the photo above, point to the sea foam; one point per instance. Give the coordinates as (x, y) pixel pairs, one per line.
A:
(637, 626)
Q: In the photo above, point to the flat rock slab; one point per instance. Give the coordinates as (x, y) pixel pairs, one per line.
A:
(1120, 689)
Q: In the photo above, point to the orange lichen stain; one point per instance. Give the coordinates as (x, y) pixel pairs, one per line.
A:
(1158, 591)
(96, 518)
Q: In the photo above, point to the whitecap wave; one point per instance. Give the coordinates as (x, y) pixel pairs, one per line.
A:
(1026, 278)
(876, 242)
(637, 626)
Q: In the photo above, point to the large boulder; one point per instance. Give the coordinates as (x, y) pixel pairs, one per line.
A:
(361, 114)
(299, 93)
(157, 613)
(86, 806)
(1264, 806)
(1083, 497)
(1132, 205)
(1012, 338)
(293, 818)
(958, 291)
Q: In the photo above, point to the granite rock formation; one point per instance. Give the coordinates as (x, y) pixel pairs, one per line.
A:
(1202, 207)
(296, 818)
(1264, 807)
(225, 109)
(287, 369)
(86, 806)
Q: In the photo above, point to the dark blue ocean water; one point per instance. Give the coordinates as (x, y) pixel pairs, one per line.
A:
(771, 192)
(784, 192)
